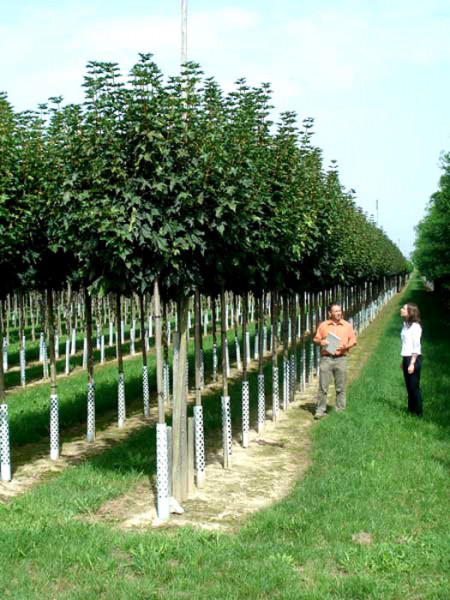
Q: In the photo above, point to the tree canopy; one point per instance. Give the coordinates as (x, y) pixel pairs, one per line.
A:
(174, 179)
(432, 246)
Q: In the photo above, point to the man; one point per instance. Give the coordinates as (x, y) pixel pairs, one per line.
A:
(333, 365)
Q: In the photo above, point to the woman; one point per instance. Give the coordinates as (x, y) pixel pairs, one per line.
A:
(412, 357)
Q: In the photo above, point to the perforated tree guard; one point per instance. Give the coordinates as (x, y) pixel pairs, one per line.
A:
(145, 391)
(84, 353)
(54, 427)
(291, 377)
(41, 347)
(317, 358)
(5, 355)
(90, 412)
(132, 342)
(5, 447)
(300, 372)
(44, 361)
(202, 368)
(162, 472)
(245, 413)
(199, 445)
(214, 360)
(121, 401)
(166, 382)
(73, 348)
(247, 343)
(67, 355)
(226, 431)
(238, 353)
(22, 362)
(275, 394)
(261, 403)
(285, 384)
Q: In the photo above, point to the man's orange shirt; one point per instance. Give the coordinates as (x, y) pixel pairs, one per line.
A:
(343, 330)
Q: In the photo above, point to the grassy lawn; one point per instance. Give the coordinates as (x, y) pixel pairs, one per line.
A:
(369, 520)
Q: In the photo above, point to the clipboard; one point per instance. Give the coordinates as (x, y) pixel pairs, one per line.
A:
(333, 343)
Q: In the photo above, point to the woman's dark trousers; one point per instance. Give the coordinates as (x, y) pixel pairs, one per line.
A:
(413, 385)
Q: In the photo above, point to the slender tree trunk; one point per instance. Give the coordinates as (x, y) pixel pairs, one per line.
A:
(2, 374)
(236, 318)
(32, 318)
(179, 418)
(158, 349)
(119, 334)
(293, 314)
(90, 351)
(213, 320)
(142, 327)
(244, 335)
(285, 328)
(21, 319)
(197, 342)
(274, 328)
(224, 342)
(51, 342)
(261, 333)
(68, 315)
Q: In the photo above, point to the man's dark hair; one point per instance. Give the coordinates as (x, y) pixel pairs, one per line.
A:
(330, 306)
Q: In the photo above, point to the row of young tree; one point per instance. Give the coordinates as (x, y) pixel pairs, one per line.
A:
(432, 245)
(172, 187)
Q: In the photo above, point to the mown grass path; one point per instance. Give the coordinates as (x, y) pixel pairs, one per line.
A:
(369, 520)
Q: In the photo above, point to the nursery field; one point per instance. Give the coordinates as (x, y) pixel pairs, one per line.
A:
(362, 515)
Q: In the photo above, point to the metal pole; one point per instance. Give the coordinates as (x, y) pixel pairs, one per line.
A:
(183, 31)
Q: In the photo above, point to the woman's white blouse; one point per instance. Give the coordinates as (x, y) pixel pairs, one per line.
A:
(411, 339)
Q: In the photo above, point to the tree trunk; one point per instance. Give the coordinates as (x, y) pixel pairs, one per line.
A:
(244, 335)
(142, 327)
(90, 351)
(261, 333)
(274, 329)
(293, 314)
(51, 342)
(2, 374)
(224, 343)
(119, 334)
(179, 417)
(197, 341)
(158, 349)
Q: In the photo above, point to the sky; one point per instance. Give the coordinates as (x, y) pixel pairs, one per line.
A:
(374, 74)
